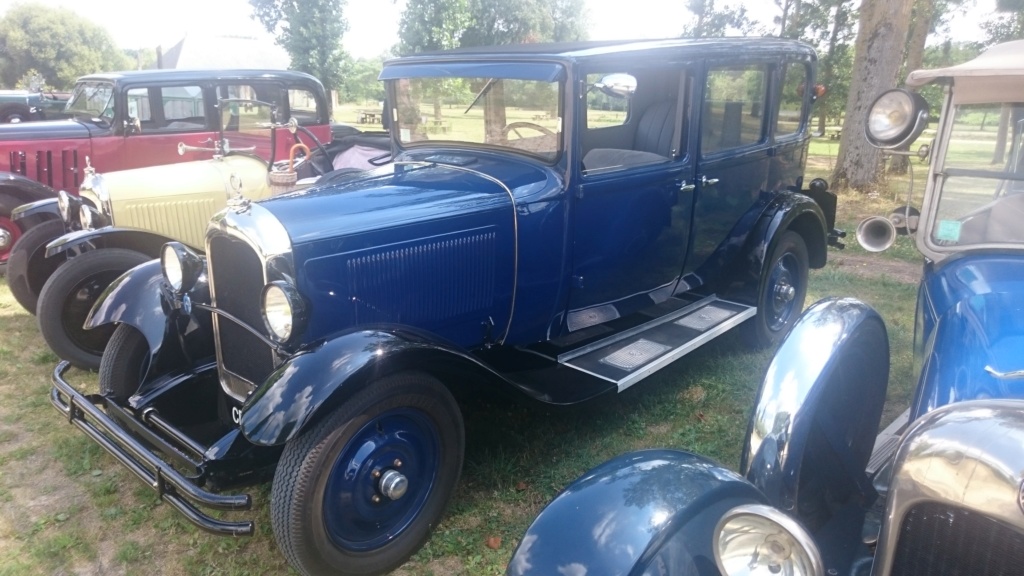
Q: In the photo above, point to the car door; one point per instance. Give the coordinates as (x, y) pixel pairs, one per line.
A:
(159, 117)
(732, 165)
(632, 207)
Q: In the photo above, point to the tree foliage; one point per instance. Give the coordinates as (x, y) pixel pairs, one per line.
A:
(711, 22)
(428, 25)
(310, 31)
(495, 22)
(55, 42)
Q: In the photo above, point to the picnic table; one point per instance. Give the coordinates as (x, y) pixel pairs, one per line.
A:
(369, 116)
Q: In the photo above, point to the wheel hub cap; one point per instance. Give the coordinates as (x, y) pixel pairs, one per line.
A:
(784, 292)
(393, 484)
(5, 239)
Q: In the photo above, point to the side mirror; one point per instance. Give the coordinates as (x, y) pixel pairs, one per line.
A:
(132, 126)
(618, 85)
(896, 118)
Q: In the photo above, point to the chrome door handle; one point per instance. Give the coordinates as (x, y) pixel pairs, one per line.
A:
(708, 181)
(685, 188)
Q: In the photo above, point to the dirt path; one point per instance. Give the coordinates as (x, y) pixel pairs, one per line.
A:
(873, 266)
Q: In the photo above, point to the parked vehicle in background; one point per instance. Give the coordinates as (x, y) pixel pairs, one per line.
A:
(137, 211)
(940, 492)
(529, 237)
(27, 105)
(127, 120)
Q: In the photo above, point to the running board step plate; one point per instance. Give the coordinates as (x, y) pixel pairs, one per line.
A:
(626, 361)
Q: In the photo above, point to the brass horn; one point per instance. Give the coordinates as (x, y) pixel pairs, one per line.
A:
(876, 233)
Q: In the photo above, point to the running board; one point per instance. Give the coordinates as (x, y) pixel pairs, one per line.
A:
(627, 357)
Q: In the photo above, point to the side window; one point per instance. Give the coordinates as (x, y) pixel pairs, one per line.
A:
(183, 108)
(791, 100)
(733, 110)
(631, 119)
(138, 107)
(302, 104)
(604, 111)
(247, 116)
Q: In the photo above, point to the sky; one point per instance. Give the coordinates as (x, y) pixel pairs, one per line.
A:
(373, 24)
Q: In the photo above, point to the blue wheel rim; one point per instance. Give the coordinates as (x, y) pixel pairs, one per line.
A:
(357, 515)
(784, 275)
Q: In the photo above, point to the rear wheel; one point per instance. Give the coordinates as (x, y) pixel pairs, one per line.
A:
(782, 290)
(68, 296)
(124, 363)
(360, 492)
(28, 268)
(10, 232)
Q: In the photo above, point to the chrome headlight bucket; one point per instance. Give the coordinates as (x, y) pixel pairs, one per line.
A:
(755, 539)
(896, 118)
(284, 310)
(181, 266)
(68, 206)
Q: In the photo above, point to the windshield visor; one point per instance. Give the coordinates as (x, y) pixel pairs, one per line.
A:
(520, 115)
(980, 198)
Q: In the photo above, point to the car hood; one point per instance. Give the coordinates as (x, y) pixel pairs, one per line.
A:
(48, 130)
(404, 193)
(973, 310)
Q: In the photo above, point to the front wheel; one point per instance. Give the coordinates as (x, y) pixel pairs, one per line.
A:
(124, 363)
(68, 296)
(781, 292)
(360, 491)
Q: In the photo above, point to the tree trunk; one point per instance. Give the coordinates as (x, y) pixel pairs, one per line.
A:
(1004, 128)
(923, 14)
(828, 71)
(881, 37)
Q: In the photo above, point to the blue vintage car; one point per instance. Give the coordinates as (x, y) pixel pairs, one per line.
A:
(560, 221)
(940, 492)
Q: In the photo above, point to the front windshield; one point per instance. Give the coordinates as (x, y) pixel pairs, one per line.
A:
(981, 182)
(93, 99)
(520, 115)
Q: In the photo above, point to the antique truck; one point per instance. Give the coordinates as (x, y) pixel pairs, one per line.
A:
(28, 105)
(125, 120)
(940, 492)
(560, 221)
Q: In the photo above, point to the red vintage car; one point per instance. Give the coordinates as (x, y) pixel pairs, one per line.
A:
(125, 120)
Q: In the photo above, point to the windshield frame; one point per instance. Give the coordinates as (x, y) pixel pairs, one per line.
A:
(110, 103)
(938, 176)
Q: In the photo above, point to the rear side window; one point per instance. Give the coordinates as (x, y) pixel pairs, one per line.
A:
(791, 100)
(733, 112)
(302, 104)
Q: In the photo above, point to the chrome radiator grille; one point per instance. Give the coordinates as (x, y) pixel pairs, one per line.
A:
(236, 275)
(940, 540)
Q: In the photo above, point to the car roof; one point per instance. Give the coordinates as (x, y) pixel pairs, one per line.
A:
(597, 48)
(186, 75)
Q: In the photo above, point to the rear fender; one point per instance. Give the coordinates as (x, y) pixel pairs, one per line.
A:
(140, 298)
(818, 410)
(142, 241)
(45, 209)
(638, 510)
(314, 381)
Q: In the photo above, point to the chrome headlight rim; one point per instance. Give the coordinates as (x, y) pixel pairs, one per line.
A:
(283, 329)
(800, 538)
(181, 266)
(896, 117)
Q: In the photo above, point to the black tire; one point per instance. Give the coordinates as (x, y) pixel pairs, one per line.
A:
(778, 307)
(15, 113)
(124, 363)
(10, 232)
(417, 429)
(69, 294)
(28, 268)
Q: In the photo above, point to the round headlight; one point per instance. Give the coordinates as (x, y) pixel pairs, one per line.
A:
(181, 266)
(283, 310)
(754, 539)
(85, 217)
(896, 117)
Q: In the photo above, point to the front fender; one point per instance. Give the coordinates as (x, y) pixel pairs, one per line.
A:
(822, 396)
(143, 241)
(47, 209)
(25, 189)
(638, 508)
(312, 382)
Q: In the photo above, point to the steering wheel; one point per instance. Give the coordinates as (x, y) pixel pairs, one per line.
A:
(515, 126)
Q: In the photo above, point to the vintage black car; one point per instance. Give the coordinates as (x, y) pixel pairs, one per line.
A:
(940, 491)
(560, 221)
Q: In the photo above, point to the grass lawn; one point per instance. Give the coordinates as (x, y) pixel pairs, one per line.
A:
(68, 508)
